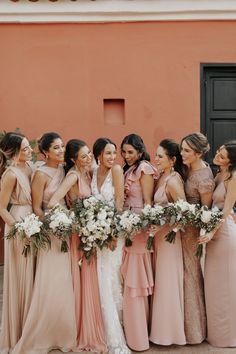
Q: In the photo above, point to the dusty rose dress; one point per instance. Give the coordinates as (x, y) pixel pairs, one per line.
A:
(51, 318)
(198, 182)
(137, 267)
(220, 279)
(167, 315)
(90, 328)
(18, 270)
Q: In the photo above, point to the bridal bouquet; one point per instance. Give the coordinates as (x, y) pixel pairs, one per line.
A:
(180, 213)
(127, 224)
(95, 224)
(152, 216)
(30, 231)
(59, 222)
(206, 220)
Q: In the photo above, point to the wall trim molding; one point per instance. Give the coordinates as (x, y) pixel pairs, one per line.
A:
(82, 11)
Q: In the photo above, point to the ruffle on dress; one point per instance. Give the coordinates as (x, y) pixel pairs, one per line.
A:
(134, 173)
(137, 273)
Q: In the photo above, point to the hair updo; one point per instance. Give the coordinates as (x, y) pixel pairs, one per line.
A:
(197, 142)
(10, 146)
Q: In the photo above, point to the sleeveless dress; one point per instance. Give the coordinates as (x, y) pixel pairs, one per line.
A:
(109, 278)
(50, 323)
(198, 182)
(220, 279)
(90, 328)
(137, 267)
(167, 316)
(18, 270)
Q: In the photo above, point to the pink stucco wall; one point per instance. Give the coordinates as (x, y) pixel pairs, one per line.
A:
(55, 77)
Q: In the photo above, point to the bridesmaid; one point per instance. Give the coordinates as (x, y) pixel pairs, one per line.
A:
(50, 323)
(220, 263)
(76, 185)
(18, 270)
(167, 315)
(137, 267)
(199, 188)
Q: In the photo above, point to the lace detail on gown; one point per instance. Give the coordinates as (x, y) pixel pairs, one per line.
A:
(109, 278)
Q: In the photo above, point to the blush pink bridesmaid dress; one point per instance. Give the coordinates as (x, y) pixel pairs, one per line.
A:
(137, 267)
(18, 270)
(199, 182)
(167, 314)
(220, 279)
(90, 327)
(50, 323)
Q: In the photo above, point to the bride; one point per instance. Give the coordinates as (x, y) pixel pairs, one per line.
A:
(108, 185)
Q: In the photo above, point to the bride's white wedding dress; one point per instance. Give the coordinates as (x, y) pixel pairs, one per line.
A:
(109, 278)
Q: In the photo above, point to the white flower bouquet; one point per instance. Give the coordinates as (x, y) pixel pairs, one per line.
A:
(152, 216)
(180, 214)
(206, 220)
(30, 229)
(126, 225)
(95, 224)
(59, 222)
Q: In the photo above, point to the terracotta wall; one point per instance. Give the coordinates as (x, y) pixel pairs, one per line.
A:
(55, 77)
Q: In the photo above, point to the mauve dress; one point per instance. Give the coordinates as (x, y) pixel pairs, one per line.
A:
(137, 267)
(90, 328)
(167, 315)
(50, 323)
(199, 182)
(220, 279)
(18, 270)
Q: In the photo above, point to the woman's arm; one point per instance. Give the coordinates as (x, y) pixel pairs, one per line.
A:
(230, 200)
(38, 186)
(7, 187)
(206, 199)
(147, 184)
(63, 189)
(175, 189)
(118, 183)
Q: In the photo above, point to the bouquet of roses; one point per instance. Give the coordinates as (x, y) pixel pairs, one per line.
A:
(206, 220)
(127, 224)
(31, 232)
(59, 223)
(95, 224)
(180, 213)
(152, 216)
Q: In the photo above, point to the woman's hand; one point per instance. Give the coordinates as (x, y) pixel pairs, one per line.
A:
(206, 238)
(153, 229)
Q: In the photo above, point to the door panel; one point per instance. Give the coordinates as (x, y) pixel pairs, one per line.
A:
(218, 104)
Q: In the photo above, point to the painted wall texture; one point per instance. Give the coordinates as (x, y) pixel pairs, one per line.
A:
(56, 77)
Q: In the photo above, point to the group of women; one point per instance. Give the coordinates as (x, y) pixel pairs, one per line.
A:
(124, 297)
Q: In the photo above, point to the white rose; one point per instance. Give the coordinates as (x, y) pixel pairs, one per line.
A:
(206, 216)
(102, 215)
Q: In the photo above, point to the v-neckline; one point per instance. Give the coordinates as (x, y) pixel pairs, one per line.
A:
(99, 190)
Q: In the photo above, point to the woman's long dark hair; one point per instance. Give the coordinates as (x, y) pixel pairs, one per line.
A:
(172, 149)
(137, 142)
(230, 147)
(71, 153)
(10, 145)
(100, 145)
